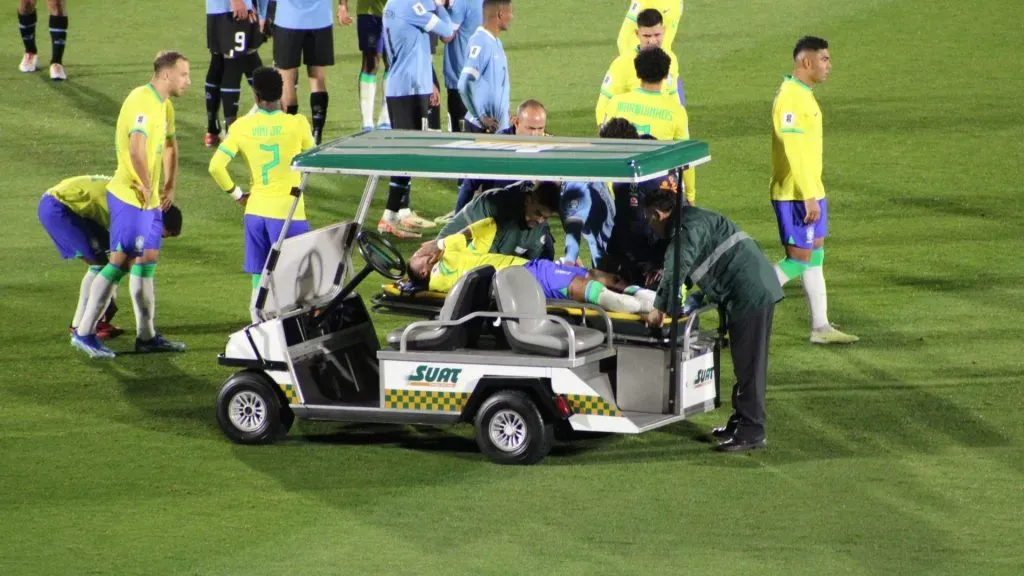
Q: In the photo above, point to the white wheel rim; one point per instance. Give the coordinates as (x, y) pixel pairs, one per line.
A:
(247, 411)
(508, 431)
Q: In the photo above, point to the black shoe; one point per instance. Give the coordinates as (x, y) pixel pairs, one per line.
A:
(736, 444)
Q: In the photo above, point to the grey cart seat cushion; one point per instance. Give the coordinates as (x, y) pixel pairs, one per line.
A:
(518, 292)
(470, 294)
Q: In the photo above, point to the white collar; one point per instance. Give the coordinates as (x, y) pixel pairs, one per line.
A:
(485, 31)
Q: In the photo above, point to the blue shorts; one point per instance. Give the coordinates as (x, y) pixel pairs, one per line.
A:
(554, 280)
(74, 236)
(792, 230)
(371, 33)
(134, 230)
(260, 235)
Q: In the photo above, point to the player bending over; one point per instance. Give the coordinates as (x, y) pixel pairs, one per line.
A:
(457, 254)
(268, 140)
(74, 214)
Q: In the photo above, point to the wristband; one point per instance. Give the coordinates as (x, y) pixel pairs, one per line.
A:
(236, 194)
(440, 243)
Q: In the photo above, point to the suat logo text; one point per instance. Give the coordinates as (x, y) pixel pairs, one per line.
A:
(435, 375)
(703, 377)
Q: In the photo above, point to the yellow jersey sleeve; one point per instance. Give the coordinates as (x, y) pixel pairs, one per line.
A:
(225, 153)
(170, 121)
(616, 81)
(482, 233)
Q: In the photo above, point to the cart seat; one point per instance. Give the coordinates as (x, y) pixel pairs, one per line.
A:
(470, 293)
(517, 292)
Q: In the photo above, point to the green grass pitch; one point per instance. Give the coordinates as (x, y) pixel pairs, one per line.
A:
(899, 455)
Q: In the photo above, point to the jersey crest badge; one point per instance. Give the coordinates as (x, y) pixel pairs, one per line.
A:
(789, 119)
(140, 120)
(474, 51)
(419, 9)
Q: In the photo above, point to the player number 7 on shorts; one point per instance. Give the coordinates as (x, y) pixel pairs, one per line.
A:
(275, 150)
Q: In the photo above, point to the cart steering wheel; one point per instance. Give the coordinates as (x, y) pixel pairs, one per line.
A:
(381, 255)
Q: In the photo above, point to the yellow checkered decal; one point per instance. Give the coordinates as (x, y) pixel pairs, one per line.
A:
(290, 393)
(429, 400)
(590, 405)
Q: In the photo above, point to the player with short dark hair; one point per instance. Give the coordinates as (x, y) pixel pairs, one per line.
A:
(653, 110)
(521, 211)
(268, 139)
(370, 30)
(797, 191)
(75, 215)
(670, 10)
(621, 77)
(144, 144)
(408, 25)
(233, 37)
(303, 33)
(58, 36)
(484, 84)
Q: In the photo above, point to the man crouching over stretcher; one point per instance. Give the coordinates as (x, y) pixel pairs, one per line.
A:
(440, 263)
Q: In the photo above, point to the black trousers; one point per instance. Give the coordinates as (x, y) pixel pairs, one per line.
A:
(456, 111)
(748, 340)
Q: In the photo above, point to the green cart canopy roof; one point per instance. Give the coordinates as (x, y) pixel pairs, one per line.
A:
(500, 157)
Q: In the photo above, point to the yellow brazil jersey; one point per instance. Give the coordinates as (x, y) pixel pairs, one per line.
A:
(671, 13)
(146, 112)
(621, 78)
(796, 143)
(659, 114)
(371, 7)
(268, 141)
(467, 250)
(85, 196)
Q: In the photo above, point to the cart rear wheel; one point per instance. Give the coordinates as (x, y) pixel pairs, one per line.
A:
(250, 410)
(511, 430)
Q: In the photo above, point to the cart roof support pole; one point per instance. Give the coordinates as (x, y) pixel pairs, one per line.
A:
(674, 303)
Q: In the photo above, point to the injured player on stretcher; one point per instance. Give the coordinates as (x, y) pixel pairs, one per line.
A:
(439, 265)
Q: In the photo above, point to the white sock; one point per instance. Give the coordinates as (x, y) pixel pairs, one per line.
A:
(83, 293)
(390, 215)
(783, 278)
(620, 302)
(144, 303)
(367, 96)
(814, 286)
(405, 212)
(384, 117)
(252, 305)
(100, 292)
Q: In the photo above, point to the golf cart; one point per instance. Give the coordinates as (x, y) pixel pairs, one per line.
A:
(498, 356)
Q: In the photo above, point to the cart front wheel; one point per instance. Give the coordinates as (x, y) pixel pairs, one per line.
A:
(250, 411)
(511, 430)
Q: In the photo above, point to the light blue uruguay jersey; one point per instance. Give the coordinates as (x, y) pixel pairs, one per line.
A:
(407, 28)
(467, 16)
(224, 6)
(587, 210)
(304, 14)
(486, 74)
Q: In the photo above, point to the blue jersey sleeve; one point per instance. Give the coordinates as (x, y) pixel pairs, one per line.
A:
(473, 86)
(457, 11)
(429, 17)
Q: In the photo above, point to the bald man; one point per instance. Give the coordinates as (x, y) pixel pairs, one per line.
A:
(531, 119)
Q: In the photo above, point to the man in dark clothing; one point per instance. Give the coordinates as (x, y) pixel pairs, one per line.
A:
(520, 213)
(732, 271)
